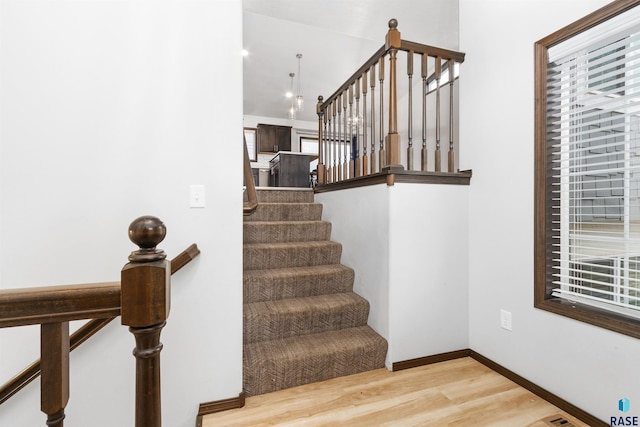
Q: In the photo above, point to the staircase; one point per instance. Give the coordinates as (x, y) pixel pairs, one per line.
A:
(302, 321)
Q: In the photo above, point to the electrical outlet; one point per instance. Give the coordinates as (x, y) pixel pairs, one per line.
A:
(505, 319)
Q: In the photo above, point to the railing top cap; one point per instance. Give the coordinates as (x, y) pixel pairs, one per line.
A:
(147, 232)
(393, 23)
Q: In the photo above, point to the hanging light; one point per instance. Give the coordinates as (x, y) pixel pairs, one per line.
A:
(292, 108)
(299, 98)
(354, 122)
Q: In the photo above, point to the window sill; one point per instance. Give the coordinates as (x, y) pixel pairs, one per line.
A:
(595, 316)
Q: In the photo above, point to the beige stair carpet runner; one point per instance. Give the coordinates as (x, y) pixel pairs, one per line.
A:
(302, 321)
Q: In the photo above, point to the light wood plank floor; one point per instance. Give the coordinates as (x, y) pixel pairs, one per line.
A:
(459, 392)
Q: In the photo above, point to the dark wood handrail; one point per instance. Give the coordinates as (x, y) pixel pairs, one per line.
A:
(336, 131)
(184, 258)
(406, 46)
(85, 332)
(252, 197)
(368, 64)
(51, 304)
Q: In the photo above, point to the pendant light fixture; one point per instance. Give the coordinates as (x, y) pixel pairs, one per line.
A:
(299, 98)
(292, 107)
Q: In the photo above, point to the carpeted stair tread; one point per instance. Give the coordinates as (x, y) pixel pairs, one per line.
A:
(285, 231)
(277, 364)
(278, 283)
(284, 195)
(270, 320)
(302, 321)
(290, 254)
(286, 212)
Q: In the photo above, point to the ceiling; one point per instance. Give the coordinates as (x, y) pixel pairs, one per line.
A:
(335, 38)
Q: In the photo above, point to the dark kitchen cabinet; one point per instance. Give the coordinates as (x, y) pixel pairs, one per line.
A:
(290, 169)
(273, 138)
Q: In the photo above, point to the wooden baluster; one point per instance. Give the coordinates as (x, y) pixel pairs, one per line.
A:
(410, 132)
(338, 137)
(365, 158)
(343, 123)
(381, 152)
(54, 352)
(349, 125)
(337, 130)
(437, 76)
(321, 134)
(327, 118)
(145, 296)
(424, 154)
(392, 140)
(345, 140)
(327, 141)
(373, 119)
(358, 165)
(341, 162)
(451, 152)
(335, 147)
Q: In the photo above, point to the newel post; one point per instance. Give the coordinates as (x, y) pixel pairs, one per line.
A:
(321, 168)
(392, 140)
(145, 300)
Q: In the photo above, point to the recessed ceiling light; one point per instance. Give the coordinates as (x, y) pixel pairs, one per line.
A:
(245, 52)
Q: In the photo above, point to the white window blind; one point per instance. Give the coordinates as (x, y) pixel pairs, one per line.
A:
(593, 135)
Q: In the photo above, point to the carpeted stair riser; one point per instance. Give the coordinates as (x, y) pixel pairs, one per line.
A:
(286, 212)
(274, 195)
(277, 364)
(302, 322)
(270, 320)
(286, 231)
(290, 254)
(273, 284)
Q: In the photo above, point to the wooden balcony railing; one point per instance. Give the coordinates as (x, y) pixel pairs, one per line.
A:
(141, 299)
(351, 130)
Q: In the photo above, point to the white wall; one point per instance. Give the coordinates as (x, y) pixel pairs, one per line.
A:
(408, 245)
(428, 270)
(587, 366)
(110, 110)
(360, 222)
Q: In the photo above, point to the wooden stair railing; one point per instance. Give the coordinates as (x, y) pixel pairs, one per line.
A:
(348, 132)
(82, 334)
(141, 299)
(252, 197)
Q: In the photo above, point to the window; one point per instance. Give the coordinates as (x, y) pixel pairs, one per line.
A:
(250, 138)
(587, 194)
(310, 146)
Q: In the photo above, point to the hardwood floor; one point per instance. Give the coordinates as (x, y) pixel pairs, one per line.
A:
(460, 392)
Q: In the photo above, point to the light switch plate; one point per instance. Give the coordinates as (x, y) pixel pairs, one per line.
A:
(197, 196)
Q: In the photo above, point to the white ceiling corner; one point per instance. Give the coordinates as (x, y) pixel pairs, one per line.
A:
(335, 38)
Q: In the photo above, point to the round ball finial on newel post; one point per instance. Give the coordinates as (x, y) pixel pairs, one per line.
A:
(147, 232)
(393, 35)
